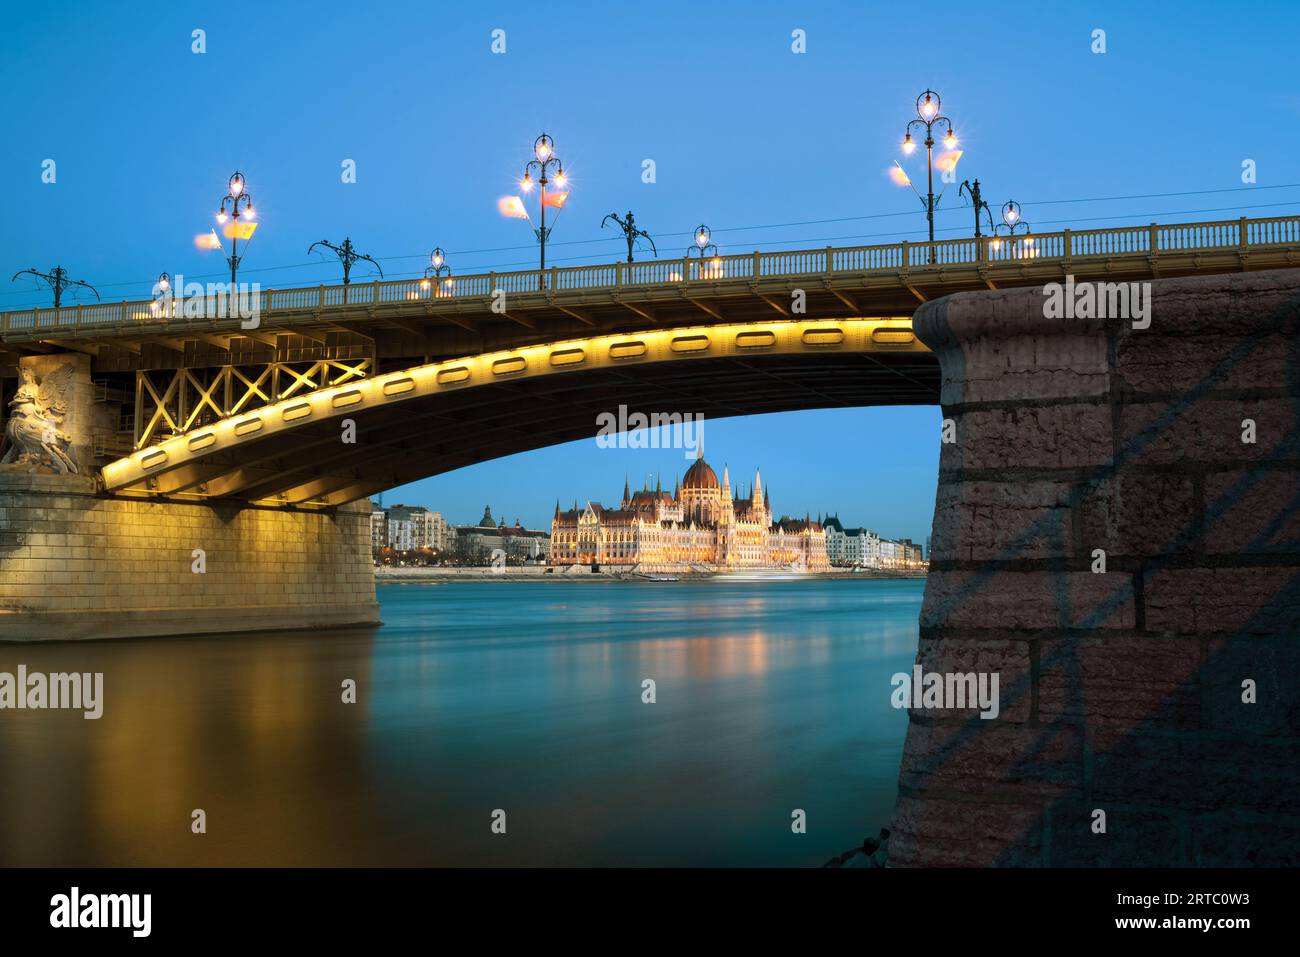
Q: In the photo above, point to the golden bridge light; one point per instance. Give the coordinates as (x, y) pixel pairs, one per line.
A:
(950, 140)
(908, 145)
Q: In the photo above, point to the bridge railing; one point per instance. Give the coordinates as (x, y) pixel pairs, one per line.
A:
(1067, 246)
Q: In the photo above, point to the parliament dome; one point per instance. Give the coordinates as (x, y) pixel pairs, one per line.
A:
(700, 475)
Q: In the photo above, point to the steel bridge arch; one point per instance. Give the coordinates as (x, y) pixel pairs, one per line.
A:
(291, 453)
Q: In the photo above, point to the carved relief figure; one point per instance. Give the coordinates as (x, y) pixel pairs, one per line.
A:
(34, 439)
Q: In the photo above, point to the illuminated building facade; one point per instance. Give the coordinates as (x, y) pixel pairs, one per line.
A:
(700, 526)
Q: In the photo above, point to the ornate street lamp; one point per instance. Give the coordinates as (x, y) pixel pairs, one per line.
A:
(630, 231)
(1011, 221)
(700, 247)
(162, 293)
(348, 255)
(928, 116)
(437, 264)
(241, 204)
(437, 268)
(702, 243)
(977, 202)
(544, 160)
(57, 279)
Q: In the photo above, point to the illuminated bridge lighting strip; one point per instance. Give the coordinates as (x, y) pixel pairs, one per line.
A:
(996, 257)
(862, 335)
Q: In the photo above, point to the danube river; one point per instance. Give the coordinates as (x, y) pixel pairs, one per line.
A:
(523, 697)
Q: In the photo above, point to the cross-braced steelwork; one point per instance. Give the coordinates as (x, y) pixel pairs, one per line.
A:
(170, 402)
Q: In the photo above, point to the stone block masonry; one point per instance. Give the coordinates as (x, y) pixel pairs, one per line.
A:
(78, 565)
(1161, 690)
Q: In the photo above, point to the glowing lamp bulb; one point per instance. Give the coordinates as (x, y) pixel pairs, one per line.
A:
(248, 213)
(561, 179)
(236, 186)
(928, 107)
(908, 145)
(526, 184)
(950, 140)
(221, 217)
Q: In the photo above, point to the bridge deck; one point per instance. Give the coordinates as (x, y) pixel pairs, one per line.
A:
(540, 305)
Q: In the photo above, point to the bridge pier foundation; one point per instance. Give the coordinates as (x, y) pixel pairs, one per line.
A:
(75, 564)
(1117, 534)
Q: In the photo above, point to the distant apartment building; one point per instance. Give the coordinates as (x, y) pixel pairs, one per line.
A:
(408, 528)
(477, 543)
(862, 547)
(903, 553)
(851, 546)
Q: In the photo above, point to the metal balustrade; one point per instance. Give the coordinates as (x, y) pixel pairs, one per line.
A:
(910, 258)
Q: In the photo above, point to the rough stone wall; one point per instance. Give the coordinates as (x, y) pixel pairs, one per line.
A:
(76, 565)
(1121, 691)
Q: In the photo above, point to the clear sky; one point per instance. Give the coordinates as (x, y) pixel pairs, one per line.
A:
(770, 148)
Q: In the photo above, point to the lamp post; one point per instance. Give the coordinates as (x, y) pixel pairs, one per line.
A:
(630, 231)
(163, 289)
(241, 204)
(57, 279)
(1011, 221)
(348, 255)
(701, 245)
(544, 160)
(977, 201)
(927, 116)
(437, 264)
(437, 268)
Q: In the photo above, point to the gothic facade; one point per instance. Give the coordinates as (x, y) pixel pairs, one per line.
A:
(699, 526)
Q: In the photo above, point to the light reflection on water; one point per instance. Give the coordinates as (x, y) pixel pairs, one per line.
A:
(524, 696)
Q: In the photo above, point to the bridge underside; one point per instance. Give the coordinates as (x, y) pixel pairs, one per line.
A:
(439, 429)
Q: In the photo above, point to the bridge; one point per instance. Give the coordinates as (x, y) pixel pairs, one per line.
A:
(201, 407)
(1116, 533)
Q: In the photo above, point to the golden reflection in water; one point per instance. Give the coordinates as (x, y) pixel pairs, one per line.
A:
(237, 726)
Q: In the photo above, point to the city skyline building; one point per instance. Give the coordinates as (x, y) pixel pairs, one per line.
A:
(701, 525)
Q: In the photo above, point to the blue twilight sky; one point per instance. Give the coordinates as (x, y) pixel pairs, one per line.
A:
(746, 136)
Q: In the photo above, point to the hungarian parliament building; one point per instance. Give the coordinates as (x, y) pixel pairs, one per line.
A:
(699, 526)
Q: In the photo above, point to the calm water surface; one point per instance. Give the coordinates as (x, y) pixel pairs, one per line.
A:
(523, 696)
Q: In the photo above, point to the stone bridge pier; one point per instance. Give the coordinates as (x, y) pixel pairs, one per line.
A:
(76, 563)
(1117, 535)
